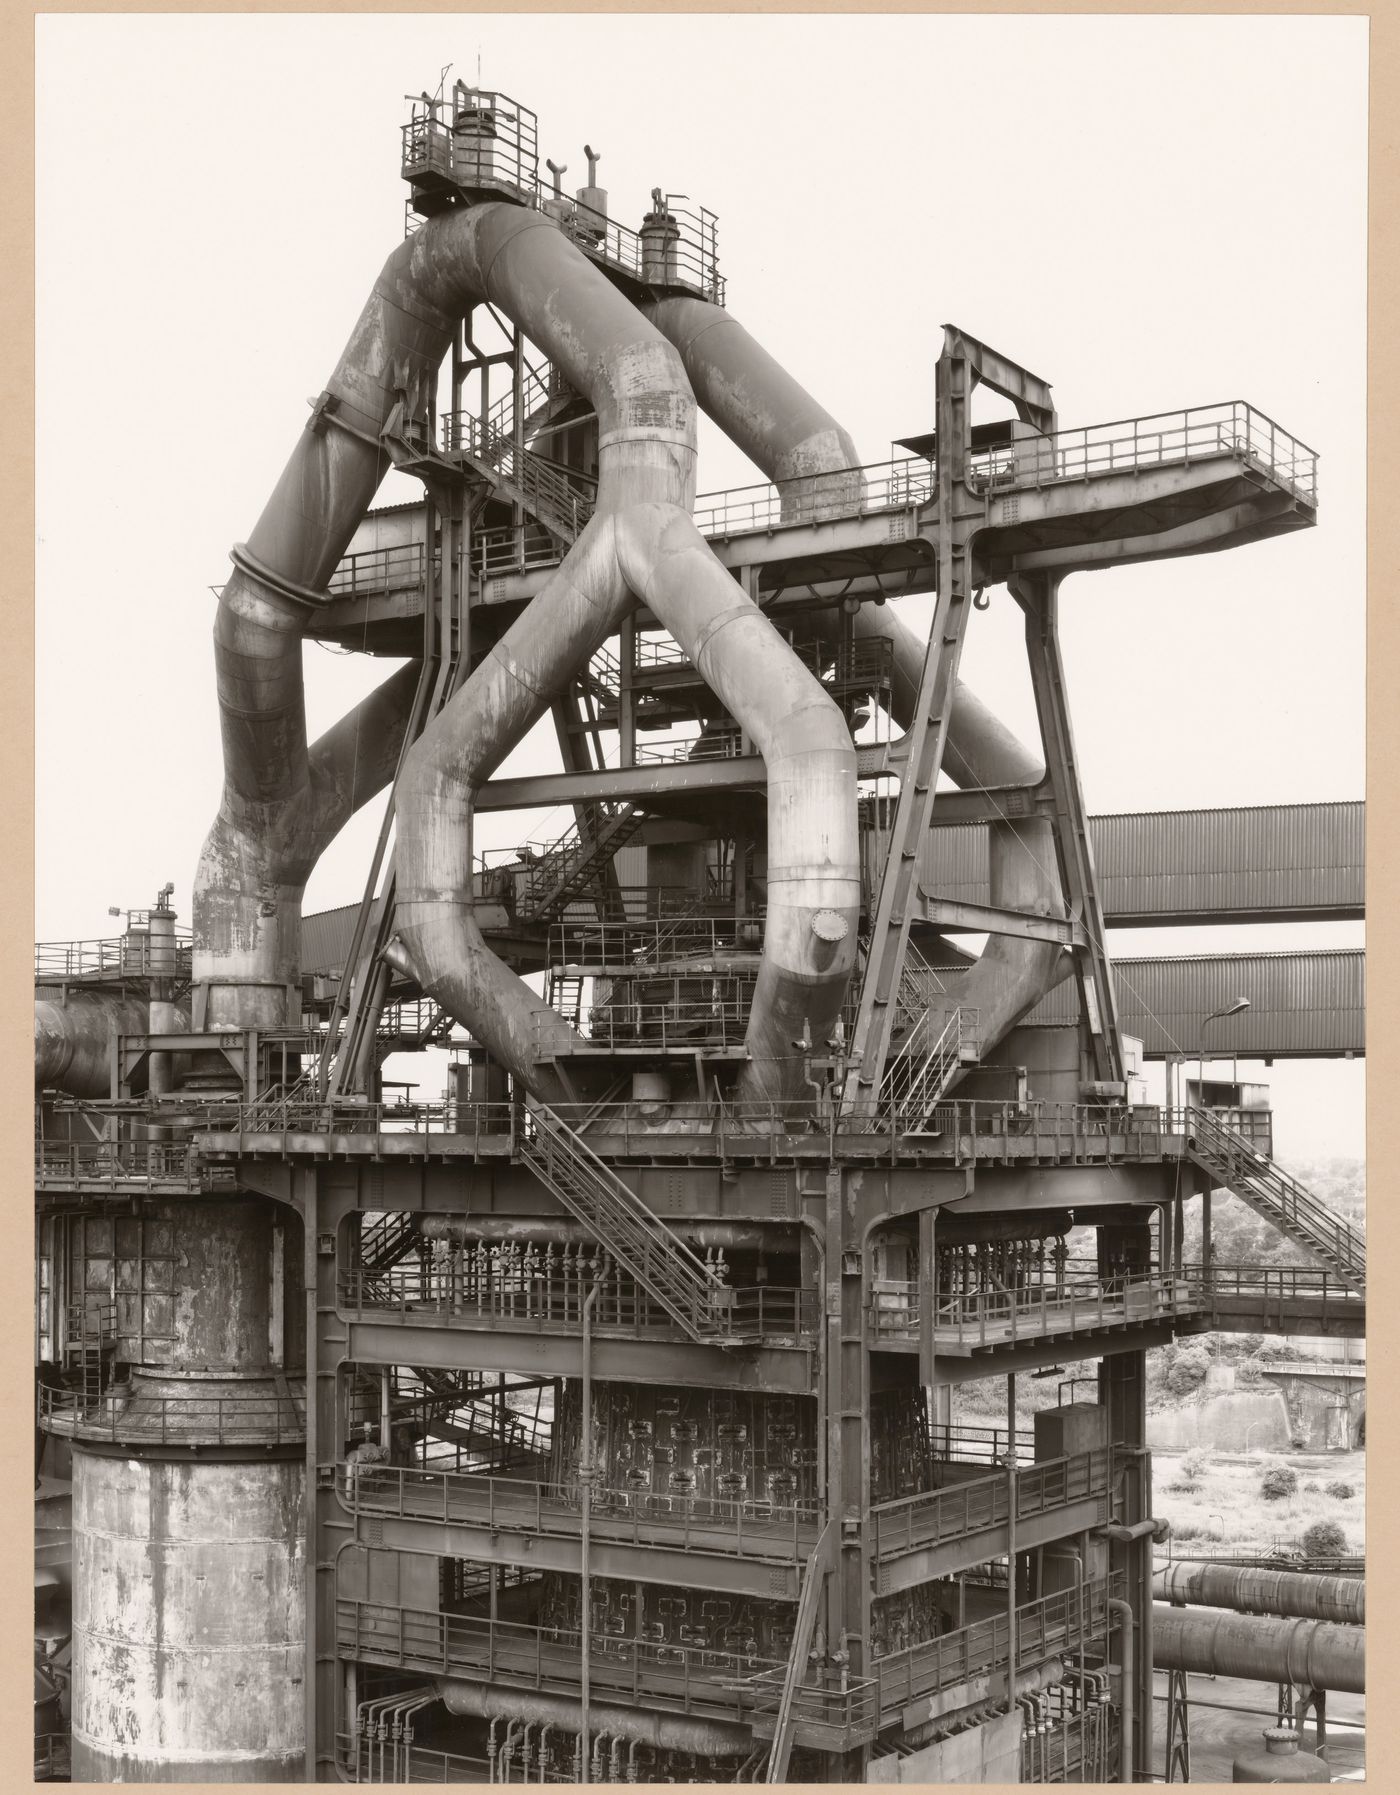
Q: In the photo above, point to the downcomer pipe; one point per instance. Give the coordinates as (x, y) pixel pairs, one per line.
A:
(666, 1732)
(1299, 1594)
(1315, 1654)
(786, 433)
(641, 541)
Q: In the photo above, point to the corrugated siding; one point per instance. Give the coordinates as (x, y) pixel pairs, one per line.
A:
(1300, 1003)
(1282, 858)
(325, 938)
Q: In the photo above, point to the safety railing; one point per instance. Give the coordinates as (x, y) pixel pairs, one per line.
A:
(963, 1133)
(762, 1529)
(645, 943)
(668, 1027)
(672, 750)
(894, 485)
(561, 497)
(690, 1679)
(1272, 1284)
(485, 140)
(364, 1759)
(995, 1318)
(512, 549)
(1128, 445)
(121, 1165)
(258, 1417)
(963, 1442)
(541, 1301)
(372, 571)
(1054, 1623)
(1265, 1185)
(90, 1320)
(963, 1508)
(137, 955)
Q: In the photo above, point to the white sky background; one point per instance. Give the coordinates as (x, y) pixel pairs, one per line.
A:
(1150, 212)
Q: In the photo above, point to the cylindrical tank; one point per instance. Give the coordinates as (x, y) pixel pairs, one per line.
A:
(1280, 1761)
(188, 1572)
(659, 236)
(188, 1619)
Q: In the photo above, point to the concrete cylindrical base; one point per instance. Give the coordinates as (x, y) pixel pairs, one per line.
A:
(188, 1620)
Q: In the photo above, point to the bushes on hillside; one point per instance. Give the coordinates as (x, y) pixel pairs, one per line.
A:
(1325, 1539)
(1342, 1490)
(1278, 1482)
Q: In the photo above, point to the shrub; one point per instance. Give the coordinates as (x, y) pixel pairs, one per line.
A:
(1187, 1370)
(1277, 1483)
(1311, 1488)
(1325, 1539)
(1342, 1490)
(1193, 1463)
(1248, 1372)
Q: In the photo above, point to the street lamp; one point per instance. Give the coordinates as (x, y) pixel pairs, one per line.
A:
(1240, 1003)
(1221, 1520)
(1249, 1430)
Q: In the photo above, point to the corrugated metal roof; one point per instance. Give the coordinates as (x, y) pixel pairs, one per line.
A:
(1295, 862)
(1301, 1005)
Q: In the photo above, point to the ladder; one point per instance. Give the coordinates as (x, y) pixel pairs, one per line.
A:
(1271, 1193)
(804, 1626)
(617, 1218)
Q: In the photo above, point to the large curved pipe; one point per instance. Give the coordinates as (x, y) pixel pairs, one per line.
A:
(282, 803)
(1248, 1590)
(667, 1732)
(1315, 1654)
(646, 434)
(786, 433)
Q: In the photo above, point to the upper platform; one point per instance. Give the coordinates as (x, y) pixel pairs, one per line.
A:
(1104, 495)
(475, 146)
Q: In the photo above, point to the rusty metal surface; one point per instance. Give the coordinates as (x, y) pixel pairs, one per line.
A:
(1249, 1590)
(1316, 1654)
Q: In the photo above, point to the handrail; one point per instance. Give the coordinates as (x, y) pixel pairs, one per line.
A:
(984, 1646)
(1231, 1159)
(930, 1517)
(1231, 427)
(275, 1417)
(767, 1530)
(538, 1301)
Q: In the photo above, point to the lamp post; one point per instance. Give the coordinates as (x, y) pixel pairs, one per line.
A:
(1249, 1430)
(1233, 1009)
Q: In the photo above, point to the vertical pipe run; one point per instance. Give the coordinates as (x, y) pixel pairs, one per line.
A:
(585, 1478)
(1124, 1611)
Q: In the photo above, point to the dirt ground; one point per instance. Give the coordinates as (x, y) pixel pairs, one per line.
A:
(1218, 1735)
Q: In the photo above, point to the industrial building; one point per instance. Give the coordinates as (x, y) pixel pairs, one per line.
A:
(600, 1420)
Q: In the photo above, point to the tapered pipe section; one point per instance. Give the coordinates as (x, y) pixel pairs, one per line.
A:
(783, 430)
(73, 1040)
(813, 849)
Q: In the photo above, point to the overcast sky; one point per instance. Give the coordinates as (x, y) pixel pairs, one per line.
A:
(1149, 212)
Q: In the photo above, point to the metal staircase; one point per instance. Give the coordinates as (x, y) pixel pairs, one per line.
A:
(560, 499)
(386, 1241)
(618, 1219)
(89, 1343)
(920, 1073)
(1270, 1192)
(570, 864)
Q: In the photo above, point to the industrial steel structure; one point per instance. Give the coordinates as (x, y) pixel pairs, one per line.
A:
(598, 1422)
